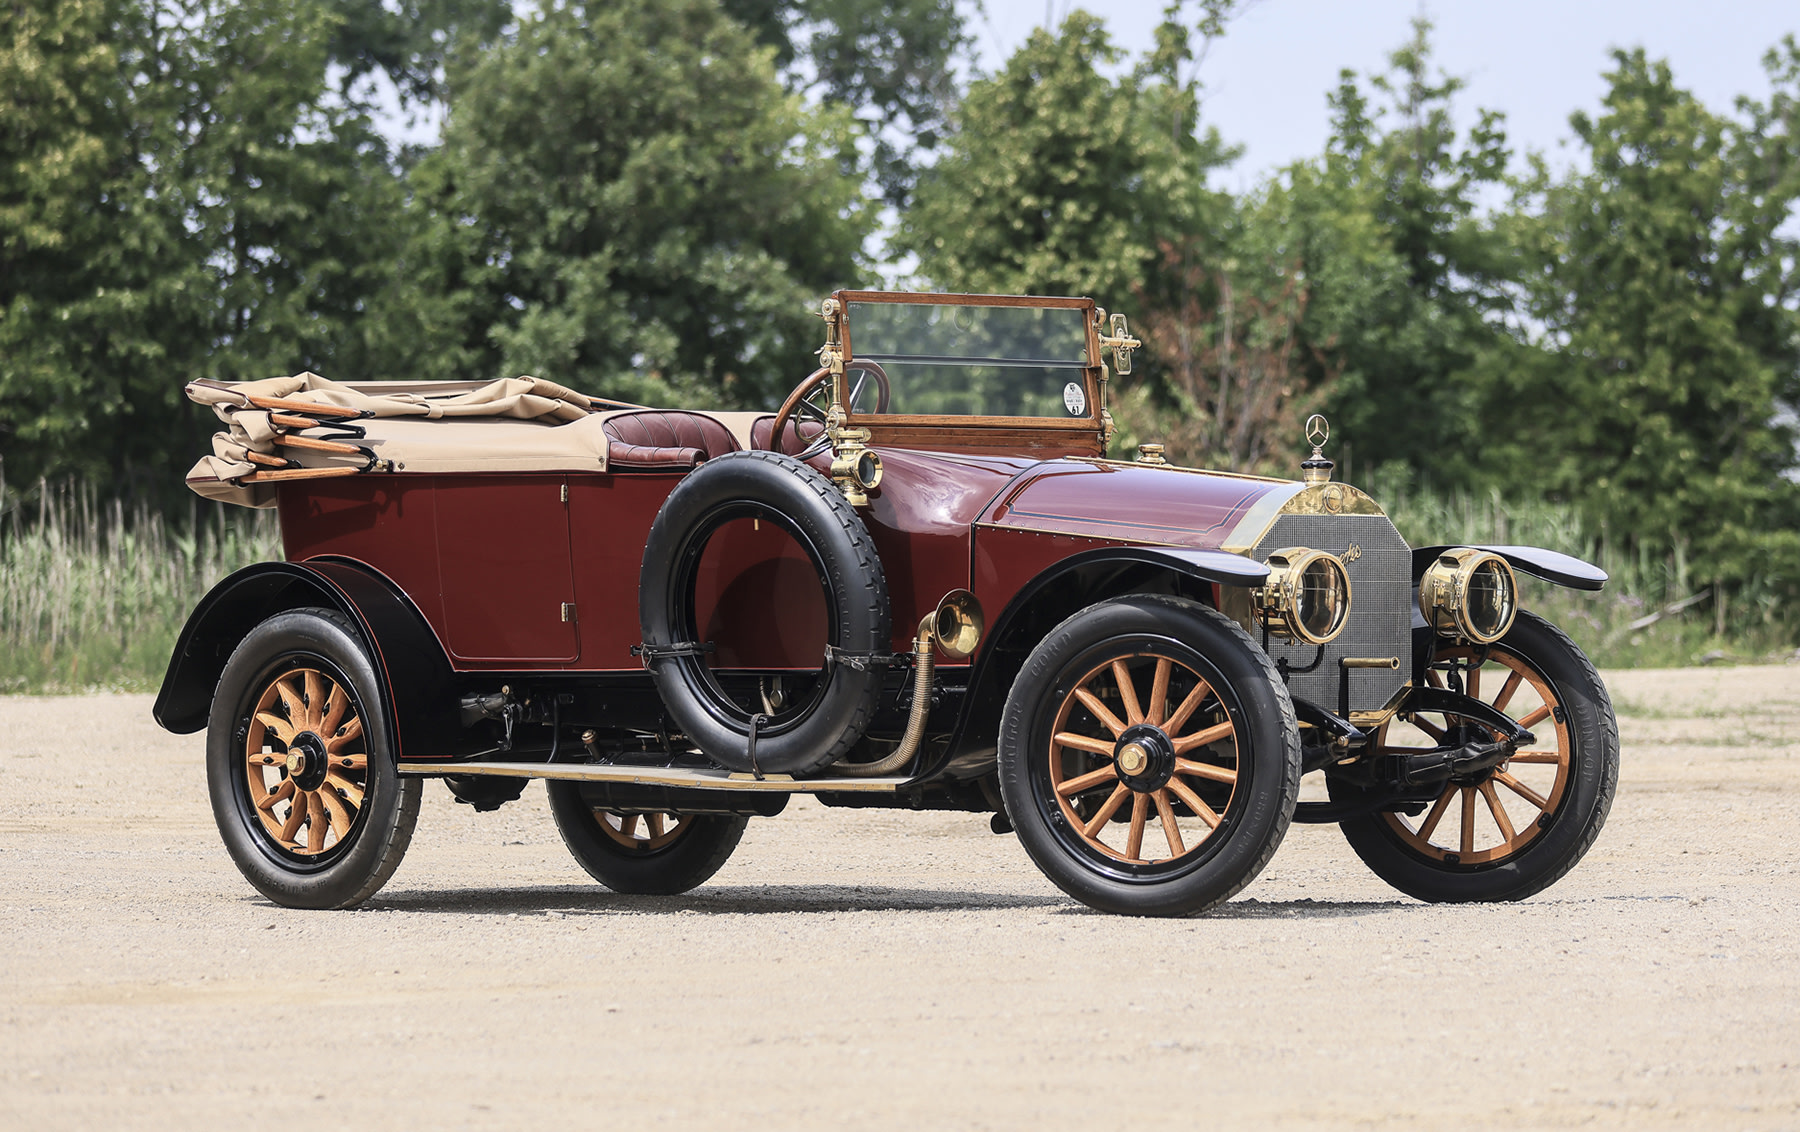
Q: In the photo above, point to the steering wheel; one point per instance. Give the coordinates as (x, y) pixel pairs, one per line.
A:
(811, 399)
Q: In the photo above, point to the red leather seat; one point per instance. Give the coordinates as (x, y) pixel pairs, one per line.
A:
(658, 439)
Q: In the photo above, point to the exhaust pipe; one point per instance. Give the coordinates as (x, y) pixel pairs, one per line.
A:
(954, 628)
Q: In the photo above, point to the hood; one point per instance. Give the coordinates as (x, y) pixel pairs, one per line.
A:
(1157, 505)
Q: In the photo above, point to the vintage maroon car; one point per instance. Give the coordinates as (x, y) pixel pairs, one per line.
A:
(921, 584)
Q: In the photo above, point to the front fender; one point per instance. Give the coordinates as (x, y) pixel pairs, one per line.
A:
(421, 688)
(1550, 565)
(1065, 588)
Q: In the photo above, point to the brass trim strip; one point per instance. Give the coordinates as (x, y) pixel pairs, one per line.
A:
(660, 776)
(1302, 499)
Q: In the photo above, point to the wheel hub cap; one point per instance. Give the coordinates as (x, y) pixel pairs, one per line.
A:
(1144, 758)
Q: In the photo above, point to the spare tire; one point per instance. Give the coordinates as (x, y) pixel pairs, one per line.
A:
(820, 727)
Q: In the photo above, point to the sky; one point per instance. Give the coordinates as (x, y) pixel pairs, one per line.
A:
(1536, 60)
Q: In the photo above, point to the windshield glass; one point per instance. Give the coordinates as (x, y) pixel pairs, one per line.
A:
(973, 360)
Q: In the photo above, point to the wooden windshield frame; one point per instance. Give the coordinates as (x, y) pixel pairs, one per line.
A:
(1084, 434)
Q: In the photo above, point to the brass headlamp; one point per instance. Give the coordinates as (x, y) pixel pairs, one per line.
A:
(1306, 597)
(1469, 593)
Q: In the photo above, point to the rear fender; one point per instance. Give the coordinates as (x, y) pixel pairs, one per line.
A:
(421, 688)
(1065, 589)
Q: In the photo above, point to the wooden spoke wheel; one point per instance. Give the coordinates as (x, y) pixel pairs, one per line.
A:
(305, 767)
(1149, 756)
(1511, 830)
(654, 854)
(1139, 742)
(642, 833)
(300, 764)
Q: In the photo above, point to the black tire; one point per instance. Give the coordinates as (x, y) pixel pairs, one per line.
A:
(337, 755)
(1579, 788)
(1247, 705)
(819, 727)
(697, 846)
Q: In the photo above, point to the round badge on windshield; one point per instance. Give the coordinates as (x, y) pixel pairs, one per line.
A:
(1075, 399)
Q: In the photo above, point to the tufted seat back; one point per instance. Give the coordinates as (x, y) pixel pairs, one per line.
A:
(795, 436)
(664, 438)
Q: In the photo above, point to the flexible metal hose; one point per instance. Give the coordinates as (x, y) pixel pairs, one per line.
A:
(924, 663)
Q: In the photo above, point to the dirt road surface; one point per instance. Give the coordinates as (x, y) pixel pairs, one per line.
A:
(870, 970)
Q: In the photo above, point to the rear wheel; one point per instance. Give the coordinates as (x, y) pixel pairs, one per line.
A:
(1514, 830)
(1149, 757)
(655, 854)
(300, 764)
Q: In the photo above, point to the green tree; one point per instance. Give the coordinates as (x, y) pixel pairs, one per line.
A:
(629, 201)
(890, 62)
(1062, 179)
(1666, 289)
(1411, 288)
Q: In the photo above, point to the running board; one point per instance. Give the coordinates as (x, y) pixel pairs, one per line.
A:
(661, 776)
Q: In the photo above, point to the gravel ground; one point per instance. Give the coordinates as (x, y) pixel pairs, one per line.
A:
(876, 970)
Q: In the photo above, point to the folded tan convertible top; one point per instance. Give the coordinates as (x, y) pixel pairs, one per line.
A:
(308, 427)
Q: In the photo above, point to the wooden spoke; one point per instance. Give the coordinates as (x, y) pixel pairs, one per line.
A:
(628, 825)
(655, 821)
(336, 704)
(1159, 690)
(1134, 840)
(296, 816)
(1107, 718)
(1535, 716)
(283, 730)
(1535, 757)
(1522, 790)
(1088, 781)
(1468, 820)
(1106, 811)
(1435, 677)
(1205, 812)
(337, 811)
(1513, 680)
(315, 697)
(1083, 743)
(1203, 737)
(292, 701)
(1205, 770)
(350, 733)
(1499, 811)
(282, 792)
(1127, 692)
(349, 762)
(352, 791)
(315, 823)
(1188, 706)
(1429, 826)
(1506, 675)
(1430, 729)
(1170, 829)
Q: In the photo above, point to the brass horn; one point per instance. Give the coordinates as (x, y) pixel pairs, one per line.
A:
(958, 624)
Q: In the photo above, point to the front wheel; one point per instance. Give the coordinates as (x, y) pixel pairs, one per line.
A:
(300, 765)
(1515, 829)
(1149, 757)
(654, 854)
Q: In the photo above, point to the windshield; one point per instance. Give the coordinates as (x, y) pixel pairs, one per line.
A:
(1003, 361)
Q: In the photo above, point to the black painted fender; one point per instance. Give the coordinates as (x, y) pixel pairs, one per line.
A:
(1550, 565)
(421, 689)
(1067, 587)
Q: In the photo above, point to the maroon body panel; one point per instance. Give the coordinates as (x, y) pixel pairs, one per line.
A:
(1128, 503)
(504, 570)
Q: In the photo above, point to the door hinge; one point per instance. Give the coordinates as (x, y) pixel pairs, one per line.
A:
(565, 493)
(568, 611)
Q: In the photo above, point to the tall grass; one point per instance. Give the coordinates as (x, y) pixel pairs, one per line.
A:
(1750, 625)
(94, 595)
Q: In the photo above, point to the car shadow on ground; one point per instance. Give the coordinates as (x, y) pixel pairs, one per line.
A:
(576, 900)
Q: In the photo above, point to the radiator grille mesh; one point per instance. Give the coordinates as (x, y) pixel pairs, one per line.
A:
(1381, 598)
